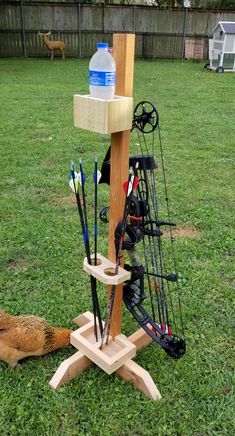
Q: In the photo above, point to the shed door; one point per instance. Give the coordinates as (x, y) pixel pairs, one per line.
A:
(229, 45)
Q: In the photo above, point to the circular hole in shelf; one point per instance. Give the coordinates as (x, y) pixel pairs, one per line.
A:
(110, 272)
(98, 262)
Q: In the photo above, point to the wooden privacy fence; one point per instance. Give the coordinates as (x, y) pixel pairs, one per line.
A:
(167, 33)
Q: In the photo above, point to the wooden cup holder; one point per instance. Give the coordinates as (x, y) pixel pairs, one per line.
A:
(103, 116)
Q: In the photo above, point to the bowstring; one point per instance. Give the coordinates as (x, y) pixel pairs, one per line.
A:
(171, 234)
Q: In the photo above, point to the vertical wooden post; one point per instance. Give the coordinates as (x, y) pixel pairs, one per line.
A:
(22, 16)
(123, 52)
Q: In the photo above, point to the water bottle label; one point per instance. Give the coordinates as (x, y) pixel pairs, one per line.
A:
(102, 78)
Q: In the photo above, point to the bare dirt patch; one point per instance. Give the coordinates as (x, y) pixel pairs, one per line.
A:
(68, 200)
(17, 263)
(50, 162)
(184, 232)
(42, 138)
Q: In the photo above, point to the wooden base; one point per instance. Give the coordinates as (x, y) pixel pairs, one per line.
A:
(116, 356)
(111, 357)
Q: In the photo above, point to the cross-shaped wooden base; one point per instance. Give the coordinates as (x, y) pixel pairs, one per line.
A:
(116, 356)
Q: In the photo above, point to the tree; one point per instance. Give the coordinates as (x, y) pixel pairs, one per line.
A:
(220, 4)
(165, 3)
(207, 4)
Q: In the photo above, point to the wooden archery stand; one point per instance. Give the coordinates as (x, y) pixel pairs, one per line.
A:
(117, 355)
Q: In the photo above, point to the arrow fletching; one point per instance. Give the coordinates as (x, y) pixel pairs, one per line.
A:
(81, 178)
(73, 181)
(130, 185)
(97, 176)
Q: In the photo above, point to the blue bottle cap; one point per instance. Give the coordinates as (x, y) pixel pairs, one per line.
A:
(102, 45)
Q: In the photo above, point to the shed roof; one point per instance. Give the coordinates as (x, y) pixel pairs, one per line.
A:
(227, 26)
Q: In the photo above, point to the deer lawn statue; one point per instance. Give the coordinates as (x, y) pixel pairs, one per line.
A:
(52, 45)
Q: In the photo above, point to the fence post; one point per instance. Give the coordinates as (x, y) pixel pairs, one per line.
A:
(184, 31)
(103, 16)
(79, 31)
(134, 18)
(23, 29)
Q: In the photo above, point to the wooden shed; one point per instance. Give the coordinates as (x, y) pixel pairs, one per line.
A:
(222, 47)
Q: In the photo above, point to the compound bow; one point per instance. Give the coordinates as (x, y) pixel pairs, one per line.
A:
(145, 230)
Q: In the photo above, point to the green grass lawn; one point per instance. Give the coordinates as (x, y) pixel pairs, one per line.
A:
(42, 251)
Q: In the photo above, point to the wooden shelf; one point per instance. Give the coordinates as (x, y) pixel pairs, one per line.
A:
(103, 116)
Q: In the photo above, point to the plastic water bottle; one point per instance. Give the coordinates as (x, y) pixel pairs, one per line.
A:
(102, 73)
